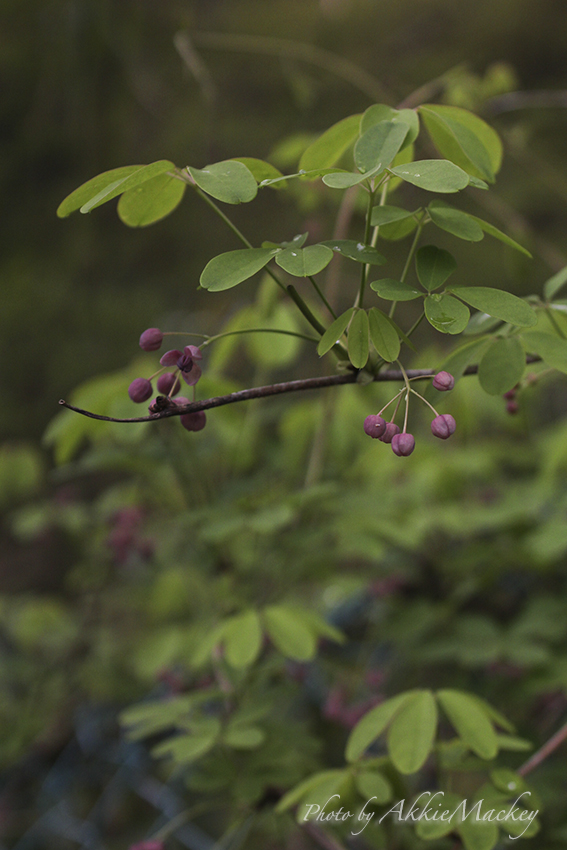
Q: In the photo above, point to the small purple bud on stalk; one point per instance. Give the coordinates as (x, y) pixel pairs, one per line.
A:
(166, 382)
(170, 358)
(391, 430)
(140, 390)
(151, 339)
(443, 381)
(374, 426)
(194, 421)
(403, 444)
(149, 844)
(510, 395)
(443, 426)
(512, 407)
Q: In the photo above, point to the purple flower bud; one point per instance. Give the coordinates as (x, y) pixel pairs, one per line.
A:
(403, 444)
(443, 381)
(149, 844)
(170, 358)
(140, 390)
(512, 407)
(194, 421)
(166, 382)
(180, 400)
(185, 363)
(151, 339)
(443, 426)
(510, 395)
(193, 376)
(374, 426)
(193, 351)
(391, 430)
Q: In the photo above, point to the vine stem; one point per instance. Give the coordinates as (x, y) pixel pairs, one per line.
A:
(273, 389)
(544, 751)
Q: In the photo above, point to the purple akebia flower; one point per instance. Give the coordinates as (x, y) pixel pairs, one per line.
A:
(374, 426)
(403, 444)
(151, 339)
(443, 381)
(443, 426)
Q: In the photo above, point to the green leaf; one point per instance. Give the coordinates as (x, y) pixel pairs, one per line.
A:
(185, 749)
(378, 146)
(502, 366)
(302, 262)
(372, 725)
(509, 742)
(137, 178)
(433, 266)
(457, 141)
(243, 639)
(498, 303)
(446, 313)
(485, 134)
(493, 231)
(495, 715)
(84, 193)
(380, 112)
(434, 175)
(387, 214)
(151, 201)
(149, 718)
(356, 251)
(470, 722)
(326, 778)
(508, 781)
(372, 783)
(395, 290)
(463, 356)
(242, 737)
(334, 332)
(429, 830)
(478, 834)
(229, 181)
(454, 221)
(412, 732)
(481, 323)
(551, 348)
(552, 286)
(384, 338)
(289, 633)
(261, 171)
(331, 145)
(398, 229)
(346, 179)
(229, 269)
(358, 345)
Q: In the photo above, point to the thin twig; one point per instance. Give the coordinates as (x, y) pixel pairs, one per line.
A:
(544, 751)
(273, 389)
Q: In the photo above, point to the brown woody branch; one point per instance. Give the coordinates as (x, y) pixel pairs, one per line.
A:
(269, 390)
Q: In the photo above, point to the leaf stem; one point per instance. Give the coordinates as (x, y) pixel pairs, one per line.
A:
(553, 321)
(321, 296)
(258, 330)
(408, 261)
(367, 229)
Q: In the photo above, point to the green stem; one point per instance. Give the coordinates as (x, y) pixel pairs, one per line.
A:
(408, 261)
(258, 330)
(409, 390)
(298, 300)
(367, 229)
(321, 296)
(416, 324)
(222, 215)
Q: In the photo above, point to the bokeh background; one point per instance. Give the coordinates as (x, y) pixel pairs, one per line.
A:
(89, 85)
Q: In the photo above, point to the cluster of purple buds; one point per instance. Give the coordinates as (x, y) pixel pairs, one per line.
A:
(512, 405)
(187, 367)
(403, 444)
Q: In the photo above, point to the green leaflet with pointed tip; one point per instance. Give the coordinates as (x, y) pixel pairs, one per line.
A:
(551, 348)
(356, 251)
(243, 639)
(395, 290)
(372, 783)
(151, 201)
(433, 266)
(446, 313)
(229, 269)
(372, 725)
(346, 179)
(358, 343)
(137, 178)
(261, 171)
(471, 722)
(93, 187)
(434, 175)
(497, 234)
(229, 181)
(552, 286)
(289, 633)
(412, 732)
(334, 332)
(388, 214)
(380, 112)
(384, 338)
(455, 222)
(378, 146)
(458, 142)
(498, 303)
(502, 366)
(331, 145)
(302, 262)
